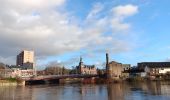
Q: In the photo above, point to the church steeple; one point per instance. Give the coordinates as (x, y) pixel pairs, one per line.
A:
(80, 65)
(81, 61)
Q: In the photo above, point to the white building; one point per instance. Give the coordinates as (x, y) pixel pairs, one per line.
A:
(22, 73)
(155, 68)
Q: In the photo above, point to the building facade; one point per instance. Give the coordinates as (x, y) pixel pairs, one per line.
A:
(126, 67)
(22, 73)
(155, 68)
(115, 70)
(86, 69)
(25, 59)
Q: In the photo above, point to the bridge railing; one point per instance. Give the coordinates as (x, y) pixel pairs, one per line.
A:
(60, 76)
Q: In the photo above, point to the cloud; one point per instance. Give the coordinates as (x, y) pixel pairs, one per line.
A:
(167, 59)
(29, 31)
(119, 15)
(125, 11)
(41, 26)
(25, 5)
(97, 8)
(54, 64)
(117, 25)
(71, 61)
(114, 20)
(7, 59)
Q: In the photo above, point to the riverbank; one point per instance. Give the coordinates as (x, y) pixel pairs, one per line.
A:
(8, 83)
(16, 82)
(133, 79)
(11, 82)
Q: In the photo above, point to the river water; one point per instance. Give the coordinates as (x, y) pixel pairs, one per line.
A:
(116, 91)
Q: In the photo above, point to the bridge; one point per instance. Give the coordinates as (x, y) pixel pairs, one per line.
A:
(55, 78)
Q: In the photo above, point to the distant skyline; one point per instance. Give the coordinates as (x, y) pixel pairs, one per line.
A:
(60, 31)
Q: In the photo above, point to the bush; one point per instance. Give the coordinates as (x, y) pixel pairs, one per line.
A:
(135, 79)
(11, 79)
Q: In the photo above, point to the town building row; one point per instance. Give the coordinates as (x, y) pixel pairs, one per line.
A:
(25, 67)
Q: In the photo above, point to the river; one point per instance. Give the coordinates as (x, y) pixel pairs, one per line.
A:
(116, 91)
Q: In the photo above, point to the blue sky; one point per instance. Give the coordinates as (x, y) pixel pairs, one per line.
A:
(60, 31)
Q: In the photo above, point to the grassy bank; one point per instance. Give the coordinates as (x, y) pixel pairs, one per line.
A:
(136, 79)
(8, 82)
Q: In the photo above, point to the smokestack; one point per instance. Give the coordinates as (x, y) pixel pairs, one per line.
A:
(107, 59)
(107, 65)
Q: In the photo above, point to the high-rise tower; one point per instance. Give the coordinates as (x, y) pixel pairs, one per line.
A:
(25, 59)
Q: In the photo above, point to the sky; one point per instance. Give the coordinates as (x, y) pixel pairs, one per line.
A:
(60, 31)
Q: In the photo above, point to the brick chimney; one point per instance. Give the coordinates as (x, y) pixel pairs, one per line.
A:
(107, 66)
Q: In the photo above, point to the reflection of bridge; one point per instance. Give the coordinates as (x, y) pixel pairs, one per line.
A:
(55, 78)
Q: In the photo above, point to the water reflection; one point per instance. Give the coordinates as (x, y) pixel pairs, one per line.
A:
(15, 93)
(118, 91)
(139, 91)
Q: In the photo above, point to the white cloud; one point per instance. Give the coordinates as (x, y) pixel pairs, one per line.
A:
(117, 25)
(97, 8)
(125, 11)
(27, 5)
(40, 26)
(119, 15)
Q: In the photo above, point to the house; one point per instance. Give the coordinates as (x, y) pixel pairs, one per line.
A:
(136, 72)
(155, 68)
(19, 71)
(22, 73)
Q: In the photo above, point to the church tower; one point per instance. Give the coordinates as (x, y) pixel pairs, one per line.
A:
(80, 65)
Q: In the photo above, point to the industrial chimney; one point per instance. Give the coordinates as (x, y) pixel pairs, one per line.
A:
(107, 65)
